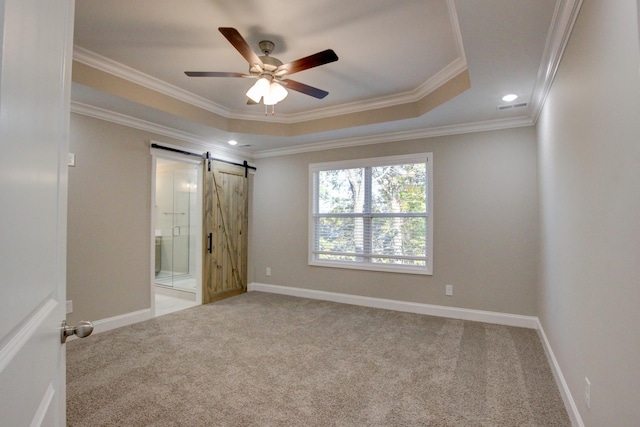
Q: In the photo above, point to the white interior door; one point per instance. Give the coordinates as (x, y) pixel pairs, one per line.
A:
(35, 78)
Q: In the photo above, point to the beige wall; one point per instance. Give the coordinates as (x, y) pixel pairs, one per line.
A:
(109, 219)
(589, 154)
(485, 220)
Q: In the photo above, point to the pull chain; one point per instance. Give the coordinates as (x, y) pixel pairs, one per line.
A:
(273, 109)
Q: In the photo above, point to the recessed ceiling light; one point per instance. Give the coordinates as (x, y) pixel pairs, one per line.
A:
(233, 142)
(510, 97)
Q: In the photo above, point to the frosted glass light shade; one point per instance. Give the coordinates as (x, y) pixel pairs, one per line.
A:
(258, 90)
(276, 94)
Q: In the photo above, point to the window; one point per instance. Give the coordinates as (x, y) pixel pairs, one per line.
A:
(372, 214)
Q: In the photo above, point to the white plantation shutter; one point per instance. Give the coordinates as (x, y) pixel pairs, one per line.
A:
(372, 214)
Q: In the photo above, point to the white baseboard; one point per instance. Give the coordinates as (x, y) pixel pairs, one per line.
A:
(121, 320)
(114, 322)
(569, 402)
(104, 325)
(530, 322)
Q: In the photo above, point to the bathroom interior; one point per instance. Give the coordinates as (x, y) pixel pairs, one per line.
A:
(175, 235)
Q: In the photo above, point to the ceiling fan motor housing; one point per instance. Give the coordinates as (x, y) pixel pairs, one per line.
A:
(270, 63)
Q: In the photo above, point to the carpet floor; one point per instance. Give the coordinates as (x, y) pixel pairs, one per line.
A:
(261, 359)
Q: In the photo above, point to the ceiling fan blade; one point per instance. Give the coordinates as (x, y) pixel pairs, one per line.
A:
(306, 89)
(241, 45)
(315, 60)
(214, 74)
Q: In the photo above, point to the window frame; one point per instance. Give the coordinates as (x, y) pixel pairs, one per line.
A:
(314, 168)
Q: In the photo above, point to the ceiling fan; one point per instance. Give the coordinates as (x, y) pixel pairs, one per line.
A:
(270, 71)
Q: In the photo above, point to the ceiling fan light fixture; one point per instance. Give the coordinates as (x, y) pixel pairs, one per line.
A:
(259, 89)
(276, 94)
(269, 70)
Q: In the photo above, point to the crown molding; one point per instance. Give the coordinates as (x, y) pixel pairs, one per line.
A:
(125, 120)
(489, 125)
(450, 71)
(457, 33)
(125, 72)
(447, 73)
(564, 18)
(565, 15)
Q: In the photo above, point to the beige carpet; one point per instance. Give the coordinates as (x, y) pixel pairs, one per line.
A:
(270, 360)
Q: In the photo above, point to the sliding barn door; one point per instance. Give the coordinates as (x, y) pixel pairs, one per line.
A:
(225, 231)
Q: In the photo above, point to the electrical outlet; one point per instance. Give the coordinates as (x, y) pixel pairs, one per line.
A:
(587, 392)
(69, 306)
(448, 290)
(268, 273)
(71, 159)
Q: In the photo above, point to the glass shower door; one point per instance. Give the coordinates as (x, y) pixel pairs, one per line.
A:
(175, 207)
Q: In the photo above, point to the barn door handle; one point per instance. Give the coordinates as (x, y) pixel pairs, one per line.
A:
(84, 329)
(210, 243)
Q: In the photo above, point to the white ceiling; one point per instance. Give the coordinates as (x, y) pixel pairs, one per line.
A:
(390, 53)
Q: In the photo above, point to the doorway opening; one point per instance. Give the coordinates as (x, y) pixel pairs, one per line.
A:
(177, 228)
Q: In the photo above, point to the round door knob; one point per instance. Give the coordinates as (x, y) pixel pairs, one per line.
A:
(84, 329)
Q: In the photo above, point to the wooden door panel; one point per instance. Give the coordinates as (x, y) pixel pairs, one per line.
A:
(226, 208)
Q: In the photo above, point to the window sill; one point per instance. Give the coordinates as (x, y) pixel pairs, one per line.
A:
(424, 271)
